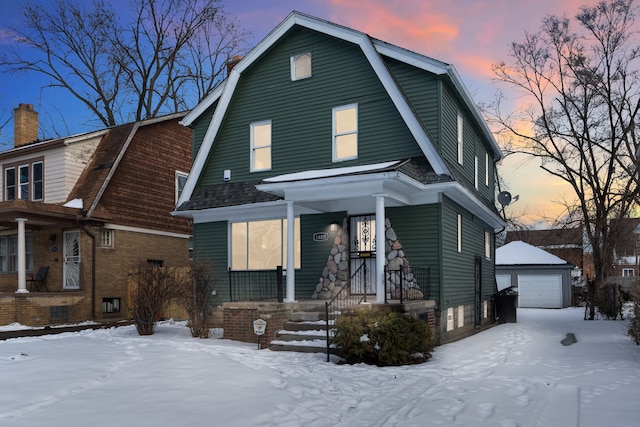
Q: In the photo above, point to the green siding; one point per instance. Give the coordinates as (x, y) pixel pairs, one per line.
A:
(458, 268)
(314, 254)
(418, 230)
(422, 90)
(473, 145)
(210, 246)
(199, 128)
(301, 111)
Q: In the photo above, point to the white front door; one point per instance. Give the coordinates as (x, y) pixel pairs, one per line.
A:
(71, 266)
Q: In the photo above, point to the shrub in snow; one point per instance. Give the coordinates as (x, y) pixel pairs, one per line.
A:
(634, 316)
(609, 300)
(382, 338)
(197, 299)
(154, 288)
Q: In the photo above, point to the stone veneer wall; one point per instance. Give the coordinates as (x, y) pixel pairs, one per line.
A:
(335, 274)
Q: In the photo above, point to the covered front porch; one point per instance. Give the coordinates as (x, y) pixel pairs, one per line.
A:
(43, 266)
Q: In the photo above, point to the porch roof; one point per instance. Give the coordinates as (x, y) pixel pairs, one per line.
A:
(39, 215)
(402, 183)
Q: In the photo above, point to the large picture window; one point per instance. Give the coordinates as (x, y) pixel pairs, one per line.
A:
(9, 253)
(24, 181)
(345, 132)
(261, 245)
(261, 146)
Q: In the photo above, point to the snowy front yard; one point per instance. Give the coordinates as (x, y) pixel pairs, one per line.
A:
(511, 375)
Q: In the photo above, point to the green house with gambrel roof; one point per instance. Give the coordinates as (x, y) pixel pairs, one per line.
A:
(320, 140)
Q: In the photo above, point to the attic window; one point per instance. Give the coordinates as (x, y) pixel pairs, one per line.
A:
(301, 66)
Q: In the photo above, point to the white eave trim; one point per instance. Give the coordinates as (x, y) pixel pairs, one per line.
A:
(203, 105)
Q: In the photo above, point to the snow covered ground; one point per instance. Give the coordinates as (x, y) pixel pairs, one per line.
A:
(510, 375)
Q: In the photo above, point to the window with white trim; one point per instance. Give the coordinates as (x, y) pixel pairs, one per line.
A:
(459, 233)
(301, 66)
(24, 181)
(181, 180)
(260, 245)
(460, 138)
(345, 132)
(106, 238)
(486, 169)
(628, 272)
(261, 146)
(9, 253)
(475, 169)
(487, 245)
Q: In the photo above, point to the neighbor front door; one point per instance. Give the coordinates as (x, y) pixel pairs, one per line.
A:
(71, 262)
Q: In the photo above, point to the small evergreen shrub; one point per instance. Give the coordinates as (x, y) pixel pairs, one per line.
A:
(383, 339)
(634, 324)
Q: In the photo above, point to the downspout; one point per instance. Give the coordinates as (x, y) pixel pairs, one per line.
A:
(93, 268)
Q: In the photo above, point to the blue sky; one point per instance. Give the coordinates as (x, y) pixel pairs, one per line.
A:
(471, 34)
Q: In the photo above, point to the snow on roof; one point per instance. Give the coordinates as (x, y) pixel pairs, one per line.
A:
(314, 174)
(521, 253)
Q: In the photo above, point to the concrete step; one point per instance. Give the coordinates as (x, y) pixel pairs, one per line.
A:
(305, 326)
(306, 316)
(307, 346)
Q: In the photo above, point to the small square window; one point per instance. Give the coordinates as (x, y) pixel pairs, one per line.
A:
(301, 66)
(111, 305)
(106, 238)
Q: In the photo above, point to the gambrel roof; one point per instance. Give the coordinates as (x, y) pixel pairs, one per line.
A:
(373, 50)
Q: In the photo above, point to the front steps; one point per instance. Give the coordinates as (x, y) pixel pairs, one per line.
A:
(305, 332)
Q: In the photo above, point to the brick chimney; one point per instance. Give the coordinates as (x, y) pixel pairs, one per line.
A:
(232, 63)
(25, 125)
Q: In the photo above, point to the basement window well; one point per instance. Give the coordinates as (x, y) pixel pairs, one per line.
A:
(111, 305)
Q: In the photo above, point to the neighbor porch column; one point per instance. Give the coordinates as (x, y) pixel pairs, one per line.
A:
(22, 258)
(291, 248)
(380, 245)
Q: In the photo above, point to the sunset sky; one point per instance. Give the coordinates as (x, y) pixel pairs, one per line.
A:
(470, 34)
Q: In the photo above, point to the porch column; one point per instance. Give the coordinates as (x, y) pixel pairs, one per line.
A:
(22, 257)
(380, 244)
(291, 263)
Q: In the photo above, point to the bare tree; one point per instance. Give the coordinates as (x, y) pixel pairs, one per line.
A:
(584, 98)
(167, 58)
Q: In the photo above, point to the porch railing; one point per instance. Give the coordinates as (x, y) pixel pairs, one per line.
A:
(343, 302)
(407, 283)
(256, 285)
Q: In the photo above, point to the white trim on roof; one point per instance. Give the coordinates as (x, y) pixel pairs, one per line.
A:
(325, 27)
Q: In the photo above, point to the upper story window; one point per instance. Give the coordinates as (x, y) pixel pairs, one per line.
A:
(628, 272)
(261, 146)
(460, 138)
(181, 180)
(301, 66)
(486, 169)
(345, 132)
(24, 181)
(475, 176)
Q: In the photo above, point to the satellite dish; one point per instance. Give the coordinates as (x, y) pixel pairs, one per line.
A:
(504, 197)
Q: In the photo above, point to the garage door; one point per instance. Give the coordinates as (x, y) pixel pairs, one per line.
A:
(540, 291)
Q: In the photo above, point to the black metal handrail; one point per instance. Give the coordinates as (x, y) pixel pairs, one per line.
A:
(256, 285)
(344, 300)
(407, 283)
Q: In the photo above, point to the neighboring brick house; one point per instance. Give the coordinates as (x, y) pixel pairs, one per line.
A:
(322, 138)
(90, 207)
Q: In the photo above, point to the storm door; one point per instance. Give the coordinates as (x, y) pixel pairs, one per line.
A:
(362, 230)
(71, 265)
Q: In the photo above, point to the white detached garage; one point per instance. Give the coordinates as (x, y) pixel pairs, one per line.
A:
(543, 280)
